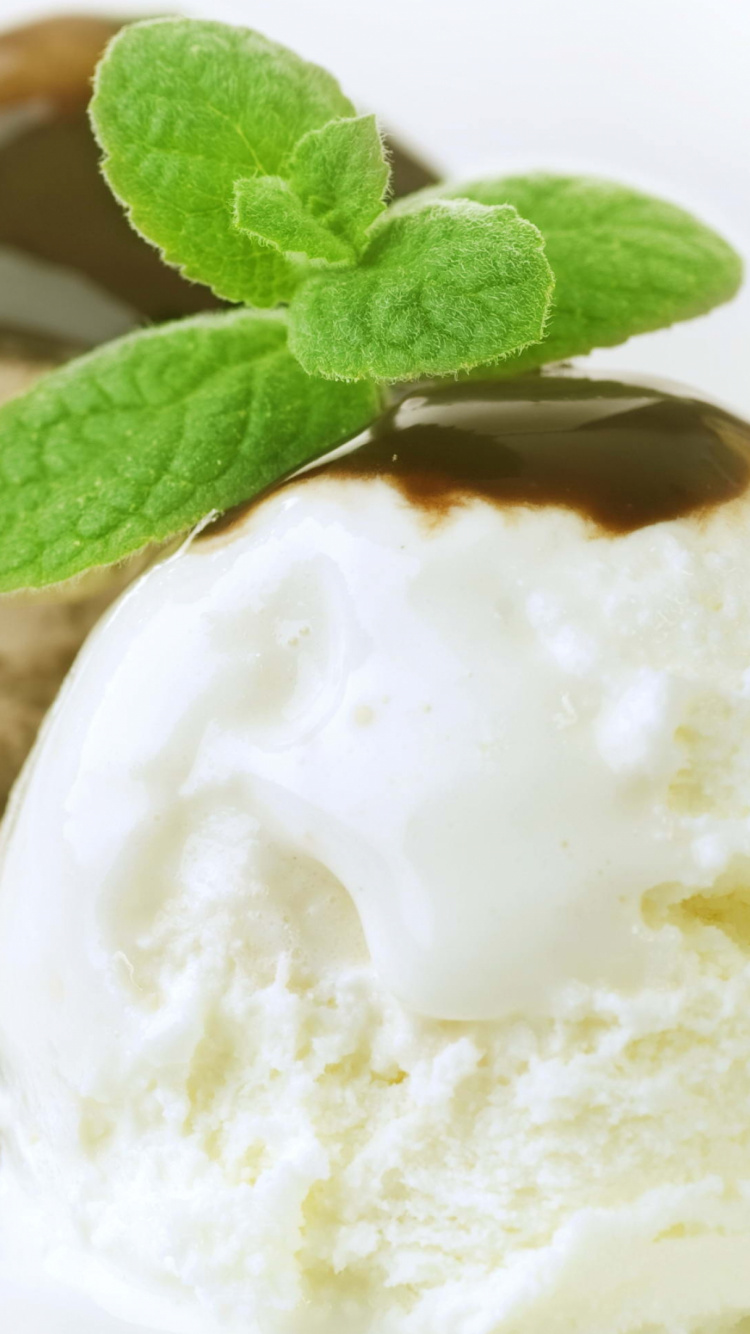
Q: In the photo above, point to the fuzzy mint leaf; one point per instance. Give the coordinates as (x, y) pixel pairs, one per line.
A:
(341, 174)
(139, 440)
(183, 109)
(438, 289)
(267, 209)
(624, 262)
(337, 178)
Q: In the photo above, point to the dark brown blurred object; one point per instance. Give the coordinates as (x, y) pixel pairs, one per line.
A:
(53, 59)
(54, 204)
(408, 173)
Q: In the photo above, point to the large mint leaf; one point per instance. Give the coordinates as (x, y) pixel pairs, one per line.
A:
(139, 440)
(183, 109)
(441, 288)
(624, 262)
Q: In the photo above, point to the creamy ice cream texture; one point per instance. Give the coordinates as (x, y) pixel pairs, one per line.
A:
(375, 910)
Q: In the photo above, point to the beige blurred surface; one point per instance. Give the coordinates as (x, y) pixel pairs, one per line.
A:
(39, 638)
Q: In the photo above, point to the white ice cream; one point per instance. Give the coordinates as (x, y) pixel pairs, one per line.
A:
(323, 796)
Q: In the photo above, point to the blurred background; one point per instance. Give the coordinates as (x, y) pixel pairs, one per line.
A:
(654, 92)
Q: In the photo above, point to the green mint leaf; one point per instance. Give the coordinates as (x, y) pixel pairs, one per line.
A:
(267, 209)
(438, 289)
(139, 440)
(624, 262)
(183, 109)
(341, 174)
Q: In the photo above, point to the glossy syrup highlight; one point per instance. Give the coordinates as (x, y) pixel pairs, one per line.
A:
(622, 456)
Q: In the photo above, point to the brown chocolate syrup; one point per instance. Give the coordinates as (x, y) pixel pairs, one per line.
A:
(623, 456)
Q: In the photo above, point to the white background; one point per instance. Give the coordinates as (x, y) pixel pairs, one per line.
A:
(654, 92)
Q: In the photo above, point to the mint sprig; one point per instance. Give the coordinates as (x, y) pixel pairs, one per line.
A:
(624, 262)
(142, 438)
(252, 172)
(446, 287)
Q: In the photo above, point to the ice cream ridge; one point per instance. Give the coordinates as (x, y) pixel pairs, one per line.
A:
(375, 905)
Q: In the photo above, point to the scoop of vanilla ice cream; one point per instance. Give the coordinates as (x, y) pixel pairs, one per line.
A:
(375, 929)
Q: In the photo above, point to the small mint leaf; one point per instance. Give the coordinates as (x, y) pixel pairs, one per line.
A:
(183, 109)
(337, 178)
(341, 174)
(139, 440)
(439, 289)
(624, 262)
(266, 208)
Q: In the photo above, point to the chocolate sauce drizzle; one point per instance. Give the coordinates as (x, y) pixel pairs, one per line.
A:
(623, 456)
